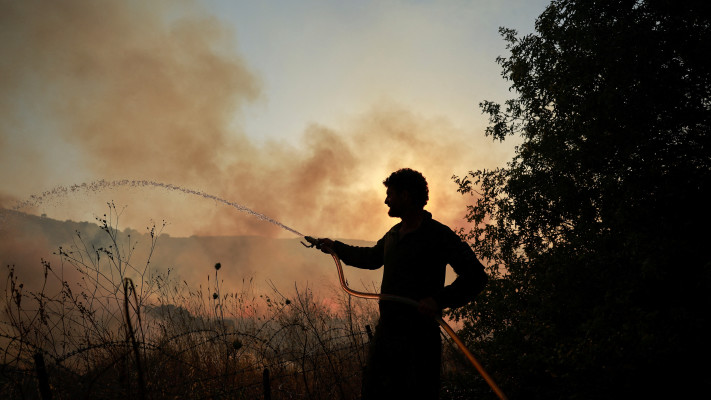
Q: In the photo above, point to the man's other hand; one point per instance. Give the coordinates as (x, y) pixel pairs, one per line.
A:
(429, 307)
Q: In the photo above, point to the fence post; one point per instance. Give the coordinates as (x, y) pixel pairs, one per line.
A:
(267, 385)
(42, 377)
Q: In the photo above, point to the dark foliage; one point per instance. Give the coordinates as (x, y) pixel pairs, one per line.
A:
(596, 231)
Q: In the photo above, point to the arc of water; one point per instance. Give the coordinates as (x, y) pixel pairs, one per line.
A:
(104, 184)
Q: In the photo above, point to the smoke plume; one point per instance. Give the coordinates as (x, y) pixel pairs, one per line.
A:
(156, 90)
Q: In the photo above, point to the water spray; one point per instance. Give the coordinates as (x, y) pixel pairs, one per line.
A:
(312, 242)
(104, 184)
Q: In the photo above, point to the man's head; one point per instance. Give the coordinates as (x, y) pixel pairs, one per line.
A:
(405, 188)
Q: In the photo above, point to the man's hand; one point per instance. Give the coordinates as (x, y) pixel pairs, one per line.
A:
(429, 307)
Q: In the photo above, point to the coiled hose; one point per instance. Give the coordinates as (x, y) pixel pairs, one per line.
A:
(389, 297)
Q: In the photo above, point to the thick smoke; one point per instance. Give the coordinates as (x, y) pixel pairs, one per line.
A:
(155, 90)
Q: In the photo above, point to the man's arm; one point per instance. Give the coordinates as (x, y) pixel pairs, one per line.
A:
(471, 277)
(355, 256)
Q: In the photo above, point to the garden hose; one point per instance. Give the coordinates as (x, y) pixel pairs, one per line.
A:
(404, 300)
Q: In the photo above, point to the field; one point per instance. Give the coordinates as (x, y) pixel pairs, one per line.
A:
(102, 322)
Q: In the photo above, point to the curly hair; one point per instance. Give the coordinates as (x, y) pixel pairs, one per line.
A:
(411, 181)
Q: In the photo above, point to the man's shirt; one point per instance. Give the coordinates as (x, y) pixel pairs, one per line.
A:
(415, 267)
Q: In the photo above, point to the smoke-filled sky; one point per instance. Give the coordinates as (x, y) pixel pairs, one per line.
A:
(297, 110)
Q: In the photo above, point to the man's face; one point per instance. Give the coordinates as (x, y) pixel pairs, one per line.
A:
(396, 201)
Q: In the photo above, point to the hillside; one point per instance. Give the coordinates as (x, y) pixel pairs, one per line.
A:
(26, 239)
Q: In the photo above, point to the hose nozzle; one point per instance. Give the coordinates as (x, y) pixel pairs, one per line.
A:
(313, 242)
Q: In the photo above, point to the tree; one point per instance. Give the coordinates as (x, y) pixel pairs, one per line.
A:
(595, 233)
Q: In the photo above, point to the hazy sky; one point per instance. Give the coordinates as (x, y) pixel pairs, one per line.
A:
(296, 109)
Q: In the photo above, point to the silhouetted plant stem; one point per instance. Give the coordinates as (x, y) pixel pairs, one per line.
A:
(132, 337)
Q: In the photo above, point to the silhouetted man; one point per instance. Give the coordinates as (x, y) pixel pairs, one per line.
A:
(405, 353)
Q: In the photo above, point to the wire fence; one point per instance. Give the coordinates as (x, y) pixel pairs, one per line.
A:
(295, 363)
(308, 368)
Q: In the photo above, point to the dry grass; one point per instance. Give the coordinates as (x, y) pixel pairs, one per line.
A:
(116, 329)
